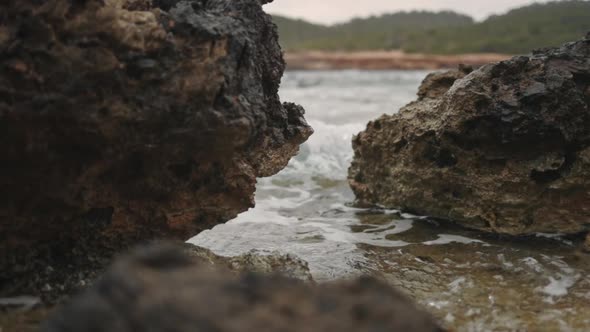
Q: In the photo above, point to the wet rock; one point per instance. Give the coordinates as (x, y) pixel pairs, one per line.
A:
(21, 301)
(255, 262)
(505, 148)
(124, 121)
(22, 320)
(160, 289)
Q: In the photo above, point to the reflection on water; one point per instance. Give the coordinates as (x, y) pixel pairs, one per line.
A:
(470, 281)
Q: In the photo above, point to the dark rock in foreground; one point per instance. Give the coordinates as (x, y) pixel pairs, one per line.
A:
(160, 289)
(503, 149)
(124, 121)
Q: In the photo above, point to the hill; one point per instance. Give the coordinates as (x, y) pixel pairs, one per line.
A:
(377, 32)
(518, 31)
(293, 33)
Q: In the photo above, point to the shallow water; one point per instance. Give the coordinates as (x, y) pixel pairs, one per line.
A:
(470, 281)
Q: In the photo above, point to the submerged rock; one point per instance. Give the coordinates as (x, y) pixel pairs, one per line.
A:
(504, 149)
(128, 120)
(255, 262)
(160, 289)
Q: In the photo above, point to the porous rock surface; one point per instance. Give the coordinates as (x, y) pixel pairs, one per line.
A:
(128, 120)
(160, 289)
(504, 149)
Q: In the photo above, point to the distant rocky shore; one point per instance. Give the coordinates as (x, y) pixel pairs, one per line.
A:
(383, 60)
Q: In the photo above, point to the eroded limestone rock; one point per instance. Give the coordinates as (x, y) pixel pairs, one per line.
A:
(123, 121)
(503, 149)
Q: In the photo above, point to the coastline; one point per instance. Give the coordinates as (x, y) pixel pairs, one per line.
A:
(384, 60)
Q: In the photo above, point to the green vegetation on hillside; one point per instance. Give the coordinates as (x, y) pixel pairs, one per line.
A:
(378, 32)
(518, 31)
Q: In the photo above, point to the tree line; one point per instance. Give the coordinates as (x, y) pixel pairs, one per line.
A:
(516, 32)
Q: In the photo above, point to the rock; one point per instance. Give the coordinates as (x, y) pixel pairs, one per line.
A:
(123, 121)
(23, 319)
(504, 149)
(255, 261)
(160, 289)
(586, 244)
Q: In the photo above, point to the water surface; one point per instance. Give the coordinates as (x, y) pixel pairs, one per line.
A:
(470, 281)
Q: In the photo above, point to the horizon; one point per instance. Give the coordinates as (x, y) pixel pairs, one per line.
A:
(324, 13)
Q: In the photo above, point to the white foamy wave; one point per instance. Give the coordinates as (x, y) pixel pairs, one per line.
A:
(327, 154)
(561, 279)
(450, 238)
(559, 286)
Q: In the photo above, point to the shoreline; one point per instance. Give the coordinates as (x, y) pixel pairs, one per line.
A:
(384, 60)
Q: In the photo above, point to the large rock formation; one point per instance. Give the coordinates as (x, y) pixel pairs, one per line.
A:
(159, 289)
(128, 120)
(504, 149)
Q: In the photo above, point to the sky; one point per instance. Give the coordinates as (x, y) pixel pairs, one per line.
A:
(334, 11)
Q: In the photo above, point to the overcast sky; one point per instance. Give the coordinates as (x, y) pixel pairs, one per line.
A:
(332, 11)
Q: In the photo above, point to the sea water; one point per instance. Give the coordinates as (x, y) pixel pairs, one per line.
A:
(469, 281)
